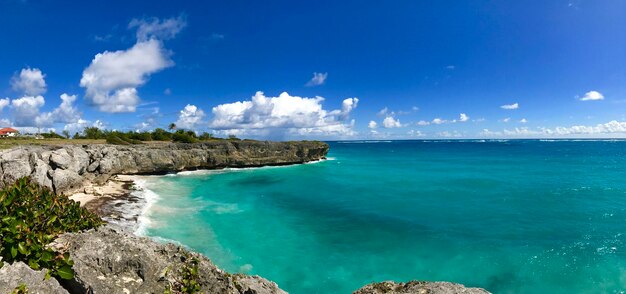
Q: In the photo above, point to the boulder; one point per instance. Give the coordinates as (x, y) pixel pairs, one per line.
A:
(415, 287)
(18, 273)
(66, 180)
(109, 260)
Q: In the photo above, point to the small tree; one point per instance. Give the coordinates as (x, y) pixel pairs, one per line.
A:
(172, 126)
(66, 134)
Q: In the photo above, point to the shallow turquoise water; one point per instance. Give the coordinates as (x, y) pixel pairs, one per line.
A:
(509, 216)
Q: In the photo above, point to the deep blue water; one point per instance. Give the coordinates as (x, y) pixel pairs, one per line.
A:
(510, 216)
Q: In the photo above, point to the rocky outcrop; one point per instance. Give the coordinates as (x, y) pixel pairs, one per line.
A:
(67, 168)
(415, 287)
(109, 260)
(18, 274)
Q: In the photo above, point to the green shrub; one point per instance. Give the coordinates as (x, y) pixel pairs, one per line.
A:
(115, 140)
(31, 217)
(51, 135)
(183, 137)
(161, 135)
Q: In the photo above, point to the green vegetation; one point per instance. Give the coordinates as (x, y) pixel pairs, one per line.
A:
(188, 283)
(31, 217)
(21, 289)
(93, 135)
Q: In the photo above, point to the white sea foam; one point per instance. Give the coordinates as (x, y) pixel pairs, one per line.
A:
(150, 198)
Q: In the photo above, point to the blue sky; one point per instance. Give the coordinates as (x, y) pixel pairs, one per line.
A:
(400, 69)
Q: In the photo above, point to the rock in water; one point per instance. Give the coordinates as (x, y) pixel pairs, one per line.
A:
(109, 260)
(18, 273)
(418, 287)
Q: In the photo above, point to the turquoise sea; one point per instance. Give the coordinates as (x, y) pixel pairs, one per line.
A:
(518, 216)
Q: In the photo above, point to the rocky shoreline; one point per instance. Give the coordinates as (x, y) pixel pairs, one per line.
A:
(111, 259)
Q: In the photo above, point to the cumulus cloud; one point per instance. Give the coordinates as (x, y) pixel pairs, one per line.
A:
(30, 82)
(389, 122)
(26, 110)
(112, 78)
(80, 125)
(65, 113)
(463, 117)
(372, 124)
(154, 28)
(611, 128)
(282, 115)
(523, 120)
(190, 117)
(448, 134)
(510, 106)
(4, 103)
(318, 79)
(506, 119)
(423, 123)
(439, 121)
(414, 133)
(592, 96)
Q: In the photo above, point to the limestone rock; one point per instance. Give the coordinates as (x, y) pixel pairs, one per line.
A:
(60, 167)
(66, 180)
(13, 275)
(418, 287)
(108, 260)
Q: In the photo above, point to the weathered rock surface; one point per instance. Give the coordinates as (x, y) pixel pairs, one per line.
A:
(18, 273)
(418, 287)
(67, 168)
(108, 260)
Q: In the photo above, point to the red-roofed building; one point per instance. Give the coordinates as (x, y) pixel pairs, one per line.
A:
(8, 132)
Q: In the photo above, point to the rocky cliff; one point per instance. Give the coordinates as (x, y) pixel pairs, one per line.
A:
(67, 168)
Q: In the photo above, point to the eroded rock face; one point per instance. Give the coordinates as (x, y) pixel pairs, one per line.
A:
(418, 287)
(109, 260)
(18, 273)
(65, 168)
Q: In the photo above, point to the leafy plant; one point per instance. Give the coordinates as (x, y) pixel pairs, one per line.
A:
(32, 216)
(188, 282)
(20, 289)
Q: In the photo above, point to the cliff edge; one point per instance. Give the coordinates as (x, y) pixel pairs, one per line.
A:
(67, 168)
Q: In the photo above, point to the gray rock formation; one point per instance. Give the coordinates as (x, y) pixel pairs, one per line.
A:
(108, 260)
(67, 168)
(418, 287)
(18, 273)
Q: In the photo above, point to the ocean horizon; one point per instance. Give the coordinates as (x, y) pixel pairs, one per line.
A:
(510, 216)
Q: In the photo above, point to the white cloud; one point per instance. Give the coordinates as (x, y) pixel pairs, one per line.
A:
(523, 120)
(592, 95)
(447, 134)
(112, 78)
(26, 109)
(154, 28)
(282, 115)
(372, 124)
(439, 121)
(463, 117)
(383, 112)
(389, 122)
(79, 126)
(4, 103)
(450, 67)
(506, 120)
(65, 113)
(5, 123)
(610, 129)
(30, 82)
(414, 133)
(423, 123)
(190, 117)
(318, 79)
(510, 106)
